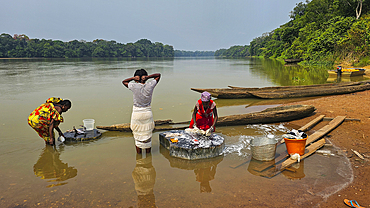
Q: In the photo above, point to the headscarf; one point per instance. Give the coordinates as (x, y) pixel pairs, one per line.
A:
(205, 96)
(54, 100)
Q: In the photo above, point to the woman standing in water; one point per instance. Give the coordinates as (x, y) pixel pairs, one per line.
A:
(47, 117)
(142, 123)
(205, 113)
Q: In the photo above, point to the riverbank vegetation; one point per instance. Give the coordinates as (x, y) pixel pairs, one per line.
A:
(319, 31)
(21, 46)
(181, 53)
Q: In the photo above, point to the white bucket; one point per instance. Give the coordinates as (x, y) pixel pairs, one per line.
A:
(89, 124)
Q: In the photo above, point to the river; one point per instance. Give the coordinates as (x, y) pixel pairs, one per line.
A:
(106, 172)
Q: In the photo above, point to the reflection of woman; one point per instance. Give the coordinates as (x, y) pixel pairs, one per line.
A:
(205, 113)
(47, 117)
(142, 123)
(49, 166)
(204, 175)
(144, 178)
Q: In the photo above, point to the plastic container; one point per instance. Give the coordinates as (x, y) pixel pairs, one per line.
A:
(295, 146)
(263, 148)
(89, 124)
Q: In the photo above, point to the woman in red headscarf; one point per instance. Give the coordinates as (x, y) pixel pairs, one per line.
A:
(205, 113)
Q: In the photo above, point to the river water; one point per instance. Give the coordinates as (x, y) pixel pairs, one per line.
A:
(107, 172)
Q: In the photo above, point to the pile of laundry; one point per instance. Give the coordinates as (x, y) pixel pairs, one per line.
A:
(295, 134)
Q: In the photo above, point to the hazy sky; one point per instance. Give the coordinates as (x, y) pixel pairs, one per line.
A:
(185, 24)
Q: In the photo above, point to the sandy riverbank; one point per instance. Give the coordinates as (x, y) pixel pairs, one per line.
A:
(349, 135)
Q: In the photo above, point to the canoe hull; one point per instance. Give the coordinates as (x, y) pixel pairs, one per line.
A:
(312, 92)
(282, 92)
(289, 61)
(269, 115)
(227, 93)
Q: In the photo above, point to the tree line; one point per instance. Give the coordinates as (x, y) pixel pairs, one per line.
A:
(181, 53)
(21, 46)
(318, 30)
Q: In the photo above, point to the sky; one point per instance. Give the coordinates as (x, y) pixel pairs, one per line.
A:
(190, 25)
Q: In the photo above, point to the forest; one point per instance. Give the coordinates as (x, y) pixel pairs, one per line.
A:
(181, 53)
(319, 32)
(21, 46)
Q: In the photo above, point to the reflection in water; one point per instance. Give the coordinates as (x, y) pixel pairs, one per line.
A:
(290, 75)
(268, 169)
(49, 166)
(204, 169)
(204, 175)
(296, 171)
(338, 79)
(255, 167)
(144, 178)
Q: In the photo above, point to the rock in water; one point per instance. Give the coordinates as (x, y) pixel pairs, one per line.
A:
(192, 146)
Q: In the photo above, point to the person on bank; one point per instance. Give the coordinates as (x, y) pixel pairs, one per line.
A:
(47, 117)
(205, 113)
(142, 123)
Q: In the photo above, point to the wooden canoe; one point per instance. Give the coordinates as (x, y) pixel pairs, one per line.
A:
(324, 91)
(269, 115)
(242, 92)
(126, 126)
(297, 87)
(293, 60)
(227, 93)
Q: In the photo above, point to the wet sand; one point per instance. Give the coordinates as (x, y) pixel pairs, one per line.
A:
(349, 135)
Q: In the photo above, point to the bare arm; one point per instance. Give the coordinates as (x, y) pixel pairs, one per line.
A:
(194, 116)
(215, 117)
(156, 76)
(59, 131)
(126, 81)
(51, 129)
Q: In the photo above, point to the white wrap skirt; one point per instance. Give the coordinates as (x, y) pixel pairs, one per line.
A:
(142, 125)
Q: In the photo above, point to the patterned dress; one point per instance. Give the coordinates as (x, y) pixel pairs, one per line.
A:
(42, 116)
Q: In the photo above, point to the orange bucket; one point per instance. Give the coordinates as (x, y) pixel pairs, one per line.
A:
(295, 146)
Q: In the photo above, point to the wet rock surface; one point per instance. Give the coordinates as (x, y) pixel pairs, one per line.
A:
(72, 136)
(192, 146)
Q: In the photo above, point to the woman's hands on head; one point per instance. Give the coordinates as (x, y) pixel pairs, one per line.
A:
(144, 78)
(137, 78)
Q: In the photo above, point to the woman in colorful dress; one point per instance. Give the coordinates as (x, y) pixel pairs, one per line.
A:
(205, 113)
(47, 117)
(142, 123)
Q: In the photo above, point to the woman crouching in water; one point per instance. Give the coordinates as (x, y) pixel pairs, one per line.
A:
(47, 117)
(205, 113)
(142, 123)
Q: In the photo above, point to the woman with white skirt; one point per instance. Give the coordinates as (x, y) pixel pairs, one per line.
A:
(142, 123)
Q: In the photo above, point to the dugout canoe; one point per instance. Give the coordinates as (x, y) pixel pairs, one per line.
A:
(269, 115)
(323, 91)
(227, 93)
(242, 92)
(298, 87)
(290, 61)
